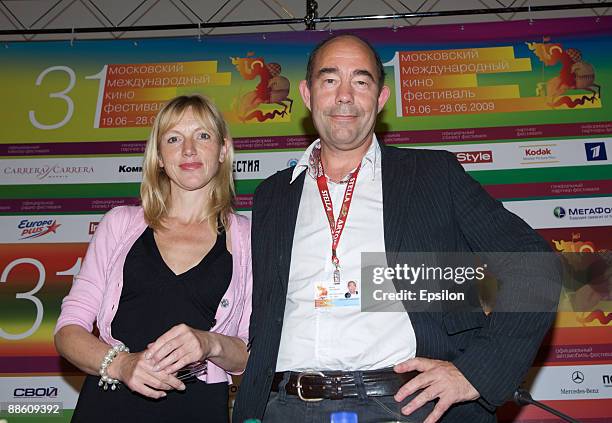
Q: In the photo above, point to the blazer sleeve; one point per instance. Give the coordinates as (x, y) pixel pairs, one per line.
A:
(498, 357)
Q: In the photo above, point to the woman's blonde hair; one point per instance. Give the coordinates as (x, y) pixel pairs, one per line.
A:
(155, 186)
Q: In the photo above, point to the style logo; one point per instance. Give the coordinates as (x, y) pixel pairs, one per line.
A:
(92, 227)
(595, 151)
(292, 162)
(37, 228)
(577, 377)
(485, 156)
(559, 212)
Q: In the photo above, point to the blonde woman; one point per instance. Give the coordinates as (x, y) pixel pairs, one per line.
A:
(168, 284)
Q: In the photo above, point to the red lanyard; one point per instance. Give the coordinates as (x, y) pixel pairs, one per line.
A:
(336, 226)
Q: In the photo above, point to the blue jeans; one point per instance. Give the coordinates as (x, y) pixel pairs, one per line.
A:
(283, 408)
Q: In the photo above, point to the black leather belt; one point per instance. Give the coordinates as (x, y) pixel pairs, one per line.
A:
(316, 386)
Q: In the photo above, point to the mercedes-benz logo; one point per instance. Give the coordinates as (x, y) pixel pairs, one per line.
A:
(577, 377)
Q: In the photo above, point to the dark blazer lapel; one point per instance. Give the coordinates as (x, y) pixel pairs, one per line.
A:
(287, 216)
(397, 178)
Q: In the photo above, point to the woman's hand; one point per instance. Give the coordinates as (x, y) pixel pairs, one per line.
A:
(136, 372)
(179, 347)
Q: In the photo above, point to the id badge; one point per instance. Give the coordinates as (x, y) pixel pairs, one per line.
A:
(329, 294)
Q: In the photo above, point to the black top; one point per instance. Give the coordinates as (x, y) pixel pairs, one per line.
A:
(153, 300)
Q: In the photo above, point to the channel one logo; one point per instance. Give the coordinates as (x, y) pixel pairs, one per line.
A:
(473, 157)
(595, 151)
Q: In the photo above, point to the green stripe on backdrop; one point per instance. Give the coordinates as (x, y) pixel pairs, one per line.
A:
(131, 190)
(549, 174)
(63, 416)
(485, 177)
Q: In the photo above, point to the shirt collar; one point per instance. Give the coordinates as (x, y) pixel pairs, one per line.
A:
(369, 163)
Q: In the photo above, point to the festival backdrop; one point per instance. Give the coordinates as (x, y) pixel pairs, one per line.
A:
(523, 105)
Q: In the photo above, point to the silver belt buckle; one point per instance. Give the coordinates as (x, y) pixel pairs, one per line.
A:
(298, 385)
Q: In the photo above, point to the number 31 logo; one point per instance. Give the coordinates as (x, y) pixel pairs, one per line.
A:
(31, 295)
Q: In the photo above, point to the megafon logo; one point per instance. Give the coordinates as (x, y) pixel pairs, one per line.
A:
(470, 157)
(559, 212)
(37, 228)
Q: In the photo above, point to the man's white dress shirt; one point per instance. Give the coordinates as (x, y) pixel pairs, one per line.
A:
(339, 338)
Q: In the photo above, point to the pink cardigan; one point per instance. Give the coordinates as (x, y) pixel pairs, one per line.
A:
(96, 290)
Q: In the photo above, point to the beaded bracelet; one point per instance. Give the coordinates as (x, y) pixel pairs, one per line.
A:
(105, 379)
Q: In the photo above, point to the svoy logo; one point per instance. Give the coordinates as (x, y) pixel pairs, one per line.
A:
(92, 227)
(130, 169)
(595, 151)
(37, 228)
(50, 392)
(470, 157)
(535, 154)
(242, 166)
(559, 212)
(607, 381)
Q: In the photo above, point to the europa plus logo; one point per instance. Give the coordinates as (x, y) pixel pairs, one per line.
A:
(36, 228)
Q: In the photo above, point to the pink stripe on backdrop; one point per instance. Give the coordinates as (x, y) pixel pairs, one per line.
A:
(85, 205)
(447, 136)
(65, 205)
(582, 353)
(35, 364)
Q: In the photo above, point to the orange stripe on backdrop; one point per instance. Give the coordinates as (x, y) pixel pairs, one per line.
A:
(579, 409)
(600, 316)
(456, 55)
(412, 94)
(26, 347)
(574, 336)
(488, 105)
(465, 67)
(165, 68)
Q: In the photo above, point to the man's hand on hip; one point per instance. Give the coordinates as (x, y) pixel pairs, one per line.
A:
(438, 379)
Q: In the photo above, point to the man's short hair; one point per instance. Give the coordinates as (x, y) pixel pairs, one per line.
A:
(313, 55)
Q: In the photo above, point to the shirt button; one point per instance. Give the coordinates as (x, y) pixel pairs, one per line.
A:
(270, 372)
(279, 320)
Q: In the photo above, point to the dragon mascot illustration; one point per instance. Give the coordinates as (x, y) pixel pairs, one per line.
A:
(273, 88)
(575, 74)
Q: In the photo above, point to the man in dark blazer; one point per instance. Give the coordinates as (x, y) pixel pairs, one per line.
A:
(464, 365)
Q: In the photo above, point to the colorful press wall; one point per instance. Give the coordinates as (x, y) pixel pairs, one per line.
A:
(525, 106)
